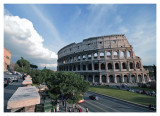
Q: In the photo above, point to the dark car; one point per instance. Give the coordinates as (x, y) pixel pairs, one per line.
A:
(93, 97)
(6, 82)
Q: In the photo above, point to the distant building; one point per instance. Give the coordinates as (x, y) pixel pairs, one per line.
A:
(7, 59)
(103, 59)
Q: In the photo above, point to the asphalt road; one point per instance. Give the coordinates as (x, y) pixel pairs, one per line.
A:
(9, 91)
(107, 104)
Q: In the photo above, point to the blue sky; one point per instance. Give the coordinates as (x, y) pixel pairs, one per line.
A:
(57, 25)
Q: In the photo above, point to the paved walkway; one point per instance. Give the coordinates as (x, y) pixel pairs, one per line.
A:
(9, 91)
(62, 108)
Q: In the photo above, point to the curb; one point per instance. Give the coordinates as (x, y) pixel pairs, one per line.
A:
(122, 100)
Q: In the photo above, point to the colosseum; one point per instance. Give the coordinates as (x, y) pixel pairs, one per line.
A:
(103, 60)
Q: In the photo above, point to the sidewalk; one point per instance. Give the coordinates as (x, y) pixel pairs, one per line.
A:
(62, 108)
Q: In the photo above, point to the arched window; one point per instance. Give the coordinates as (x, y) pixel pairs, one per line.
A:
(122, 54)
(128, 54)
(116, 66)
(89, 66)
(84, 67)
(115, 54)
(79, 58)
(119, 79)
(102, 66)
(140, 78)
(126, 79)
(111, 79)
(124, 65)
(78, 67)
(84, 57)
(131, 65)
(96, 78)
(95, 55)
(96, 66)
(133, 78)
(108, 54)
(103, 78)
(89, 56)
(90, 78)
(109, 66)
(101, 55)
(138, 65)
(145, 78)
(74, 68)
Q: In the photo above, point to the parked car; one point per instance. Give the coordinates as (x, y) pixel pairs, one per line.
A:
(6, 82)
(93, 97)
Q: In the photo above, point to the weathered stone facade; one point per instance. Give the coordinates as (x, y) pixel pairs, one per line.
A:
(103, 59)
(7, 58)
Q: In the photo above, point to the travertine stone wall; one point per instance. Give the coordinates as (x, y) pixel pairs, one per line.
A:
(103, 59)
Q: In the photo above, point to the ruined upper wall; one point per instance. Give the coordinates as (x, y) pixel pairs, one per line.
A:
(94, 43)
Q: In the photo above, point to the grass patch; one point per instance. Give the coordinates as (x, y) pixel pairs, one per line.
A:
(125, 95)
(35, 84)
(146, 89)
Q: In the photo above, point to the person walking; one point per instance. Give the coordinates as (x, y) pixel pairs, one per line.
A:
(80, 110)
(86, 109)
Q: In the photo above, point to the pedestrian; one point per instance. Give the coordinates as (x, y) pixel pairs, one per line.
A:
(70, 109)
(80, 110)
(86, 109)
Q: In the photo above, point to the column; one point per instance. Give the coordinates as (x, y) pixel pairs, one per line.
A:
(126, 54)
(130, 80)
(120, 66)
(87, 67)
(115, 79)
(122, 75)
(100, 78)
(113, 66)
(107, 78)
(86, 77)
(112, 54)
(104, 55)
(119, 54)
(92, 56)
(106, 66)
(143, 80)
(127, 65)
(137, 77)
(92, 66)
(98, 55)
(93, 79)
(99, 66)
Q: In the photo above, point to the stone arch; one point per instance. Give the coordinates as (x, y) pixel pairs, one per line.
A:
(111, 79)
(128, 54)
(79, 58)
(122, 54)
(119, 79)
(95, 55)
(138, 65)
(101, 54)
(74, 68)
(89, 66)
(84, 57)
(109, 66)
(145, 78)
(89, 56)
(84, 67)
(131, 65)
(140, 78)
(108, 54)
(115, 54)
(96, 66)
(126, 79)
(133, 78)
(90, 78)
(116, 66)
(103, 66)
(79, 67)
(124, 65)
(96, 78)
(103, 78)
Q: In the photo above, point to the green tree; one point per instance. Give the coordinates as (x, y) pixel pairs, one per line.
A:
(36, 76)
(24, 65)
(69, 84)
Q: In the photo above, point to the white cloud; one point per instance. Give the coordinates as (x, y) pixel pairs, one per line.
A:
(48, 65)
(23, 40)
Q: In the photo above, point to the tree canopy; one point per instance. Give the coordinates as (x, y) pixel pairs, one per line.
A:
(67, 84)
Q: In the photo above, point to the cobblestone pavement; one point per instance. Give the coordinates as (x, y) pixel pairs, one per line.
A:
(9, 91)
